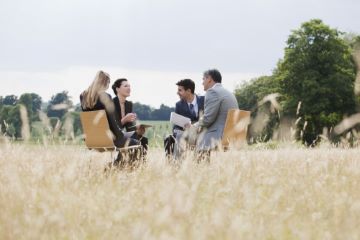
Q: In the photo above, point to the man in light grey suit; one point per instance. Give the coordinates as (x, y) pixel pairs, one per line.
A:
(218, 101)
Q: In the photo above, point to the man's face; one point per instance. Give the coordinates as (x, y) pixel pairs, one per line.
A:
(183, 94)
(206, 82)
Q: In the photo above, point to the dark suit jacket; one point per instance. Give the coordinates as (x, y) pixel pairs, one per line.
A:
(130, 126)
(182, 108)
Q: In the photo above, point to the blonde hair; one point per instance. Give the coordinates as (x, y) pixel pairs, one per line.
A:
(91, 95)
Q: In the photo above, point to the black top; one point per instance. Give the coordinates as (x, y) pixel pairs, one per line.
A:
(98, 105)
(129, 126)
(113, 124)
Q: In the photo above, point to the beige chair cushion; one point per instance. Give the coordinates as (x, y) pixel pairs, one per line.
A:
(236, 126)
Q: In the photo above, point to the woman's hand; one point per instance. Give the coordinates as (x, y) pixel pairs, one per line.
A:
(130, 117)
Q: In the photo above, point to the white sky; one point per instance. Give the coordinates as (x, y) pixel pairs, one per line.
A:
(47, 46)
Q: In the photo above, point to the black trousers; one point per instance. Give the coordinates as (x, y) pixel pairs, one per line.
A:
(169, 144)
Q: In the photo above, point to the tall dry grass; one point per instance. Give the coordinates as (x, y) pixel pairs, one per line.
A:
(61, 192)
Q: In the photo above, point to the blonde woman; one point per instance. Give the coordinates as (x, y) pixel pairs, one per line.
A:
(95, 98)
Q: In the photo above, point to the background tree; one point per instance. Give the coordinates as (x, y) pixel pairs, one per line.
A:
(318, 71)
(10, 116)
(77, 107)
(32, 102)
(1, 102)
(354, 42)
(163, 113)
(36, 105)
(59, 104)
(11, 121)
(77, 123)
(142, 111)
(250, 93)
(11, 100)
(249, 96)
(26, 100)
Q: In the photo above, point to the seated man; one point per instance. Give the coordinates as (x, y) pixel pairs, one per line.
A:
(191, 106)
(218, 101)
(139, 135)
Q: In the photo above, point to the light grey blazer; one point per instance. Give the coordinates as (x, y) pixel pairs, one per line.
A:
(218, 101)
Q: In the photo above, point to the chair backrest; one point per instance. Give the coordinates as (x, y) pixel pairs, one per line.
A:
(236, 126)
(96, 130)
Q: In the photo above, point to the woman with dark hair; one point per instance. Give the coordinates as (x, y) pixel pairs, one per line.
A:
(124, 112)
(123, 108)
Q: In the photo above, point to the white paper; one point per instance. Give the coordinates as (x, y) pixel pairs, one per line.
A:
(179, 120)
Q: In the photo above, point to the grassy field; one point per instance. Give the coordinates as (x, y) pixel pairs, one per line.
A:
(157, 133)
(61, 192)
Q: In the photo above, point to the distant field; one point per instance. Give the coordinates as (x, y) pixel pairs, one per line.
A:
(61, 192)
(157, 133)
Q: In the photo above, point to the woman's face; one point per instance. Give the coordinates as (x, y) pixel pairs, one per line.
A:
(124, 89)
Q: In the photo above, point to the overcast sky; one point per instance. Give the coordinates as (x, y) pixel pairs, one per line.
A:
(47, 46)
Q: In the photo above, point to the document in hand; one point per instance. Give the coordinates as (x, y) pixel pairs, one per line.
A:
(179, 120)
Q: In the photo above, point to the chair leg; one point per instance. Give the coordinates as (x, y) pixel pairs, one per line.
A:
(136, 156)
(130, 158)
(118, 159)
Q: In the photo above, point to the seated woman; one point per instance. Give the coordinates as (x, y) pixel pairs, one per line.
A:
(124, 112)
(95, 98)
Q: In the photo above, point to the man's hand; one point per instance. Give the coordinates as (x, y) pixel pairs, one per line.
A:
(197, 127)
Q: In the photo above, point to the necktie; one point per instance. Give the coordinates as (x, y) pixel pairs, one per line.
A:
(192, 111)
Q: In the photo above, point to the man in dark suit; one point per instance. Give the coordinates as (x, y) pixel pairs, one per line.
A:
(190, 106)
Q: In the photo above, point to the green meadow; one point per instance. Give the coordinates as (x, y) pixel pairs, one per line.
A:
(157, 133)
